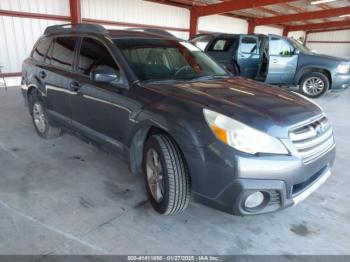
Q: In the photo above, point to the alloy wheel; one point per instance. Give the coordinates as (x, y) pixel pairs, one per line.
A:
(39, 117)
(155, 177)
(313, 86)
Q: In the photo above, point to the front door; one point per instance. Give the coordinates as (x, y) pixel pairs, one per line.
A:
(283, 61)
(248, 55)
(100, 110)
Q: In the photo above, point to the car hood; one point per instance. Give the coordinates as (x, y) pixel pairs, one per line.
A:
(264, 107)
(328, 57)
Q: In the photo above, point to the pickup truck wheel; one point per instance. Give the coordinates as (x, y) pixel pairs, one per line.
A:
(166, 174)
(40, 120)
(314, 84)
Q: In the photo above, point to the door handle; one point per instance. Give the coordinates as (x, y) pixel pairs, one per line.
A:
(74, 86)
(42, 74)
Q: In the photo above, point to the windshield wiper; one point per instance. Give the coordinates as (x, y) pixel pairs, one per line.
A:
(160, 80)
(209, 77)
(194, 78)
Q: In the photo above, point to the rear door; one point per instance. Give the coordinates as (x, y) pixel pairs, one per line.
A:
(248, 55)
(40, 69)
(283, 61)
(59, 78)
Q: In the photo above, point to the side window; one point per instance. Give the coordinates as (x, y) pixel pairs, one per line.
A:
(280, 47)
(93, 53)
(63, 52)
(221, 45)
(40, 50)
(249, 45)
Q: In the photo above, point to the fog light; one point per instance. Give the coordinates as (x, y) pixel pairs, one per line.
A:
(254, 200)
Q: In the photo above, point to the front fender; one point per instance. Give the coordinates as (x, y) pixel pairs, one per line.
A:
(313, 67)
(185, 124)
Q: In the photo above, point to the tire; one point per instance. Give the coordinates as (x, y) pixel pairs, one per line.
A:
(314, 84)
(40, 118)
(175, 179)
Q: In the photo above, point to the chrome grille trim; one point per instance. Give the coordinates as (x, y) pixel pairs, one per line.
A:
(313, 140)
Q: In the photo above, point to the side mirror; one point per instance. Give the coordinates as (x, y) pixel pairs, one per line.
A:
(103, 74)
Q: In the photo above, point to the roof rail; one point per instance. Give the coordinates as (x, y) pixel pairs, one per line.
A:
(68, 28)
(152, 31)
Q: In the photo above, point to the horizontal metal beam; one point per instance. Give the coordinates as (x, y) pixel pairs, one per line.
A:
(167, 2)
(330, 30)
(235, 5)
(10, 74)
(310, 27)
(33, 15)
(303, 16)
(329, 42)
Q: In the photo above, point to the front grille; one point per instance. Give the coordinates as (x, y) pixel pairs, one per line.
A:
(313, 140)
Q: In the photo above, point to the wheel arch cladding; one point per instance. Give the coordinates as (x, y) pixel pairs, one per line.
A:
(138, 140)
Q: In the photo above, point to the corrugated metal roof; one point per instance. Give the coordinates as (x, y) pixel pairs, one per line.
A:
(293, 7)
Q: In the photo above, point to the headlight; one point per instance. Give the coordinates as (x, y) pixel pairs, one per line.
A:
(241, 136)
(343, 68)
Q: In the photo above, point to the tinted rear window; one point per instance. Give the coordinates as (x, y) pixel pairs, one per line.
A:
(222, 44)
(41, 49)
(63, 52)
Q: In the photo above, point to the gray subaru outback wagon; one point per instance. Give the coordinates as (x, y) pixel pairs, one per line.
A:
(178, 119)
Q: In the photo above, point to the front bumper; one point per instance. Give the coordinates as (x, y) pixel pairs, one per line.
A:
(340, 82)
(225, 183)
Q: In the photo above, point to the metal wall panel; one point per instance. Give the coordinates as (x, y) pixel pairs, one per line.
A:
(323, 43)
(138, 12)
(262, 29)
(223, 24)
(17, 37)
(297, 35)
(341, 35)
(182, 35)
(54, 7)
(333, 49)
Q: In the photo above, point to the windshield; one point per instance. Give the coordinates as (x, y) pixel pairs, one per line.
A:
(163, 59)
(297, 45)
